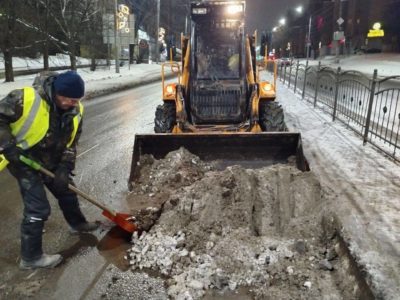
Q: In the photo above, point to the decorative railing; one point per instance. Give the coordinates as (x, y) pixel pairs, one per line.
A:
(368, 105)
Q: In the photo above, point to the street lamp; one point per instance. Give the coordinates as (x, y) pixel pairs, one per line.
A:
(299, 11)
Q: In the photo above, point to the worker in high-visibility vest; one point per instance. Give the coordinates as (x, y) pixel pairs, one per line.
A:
(44, 123)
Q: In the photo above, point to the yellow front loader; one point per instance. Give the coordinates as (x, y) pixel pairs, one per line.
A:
(218, 108)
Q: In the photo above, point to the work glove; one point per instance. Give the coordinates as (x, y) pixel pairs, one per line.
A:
(61, 179)
(12, 154)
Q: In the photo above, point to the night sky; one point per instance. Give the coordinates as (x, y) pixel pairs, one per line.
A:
(265, 14)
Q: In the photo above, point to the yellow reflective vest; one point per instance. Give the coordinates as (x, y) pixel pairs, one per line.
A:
(33, 125)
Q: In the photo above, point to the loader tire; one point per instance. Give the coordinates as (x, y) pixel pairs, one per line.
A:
(271, 116)
(165, 119)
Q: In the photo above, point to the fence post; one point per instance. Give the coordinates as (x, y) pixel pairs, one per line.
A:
(336, 93)
(371, 100)
(279, 73)
(305, 81)
(316, 84)
(284, 75)
(290, 72)
(295, 78)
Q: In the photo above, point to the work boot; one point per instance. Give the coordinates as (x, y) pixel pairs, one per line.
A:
(46, 261)
(84, 227)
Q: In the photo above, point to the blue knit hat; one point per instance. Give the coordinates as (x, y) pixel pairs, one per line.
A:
(69, 84)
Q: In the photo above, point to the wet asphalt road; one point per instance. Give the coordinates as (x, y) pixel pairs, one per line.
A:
(103, 164)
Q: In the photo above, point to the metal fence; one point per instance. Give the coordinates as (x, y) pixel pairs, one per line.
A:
(366, 104)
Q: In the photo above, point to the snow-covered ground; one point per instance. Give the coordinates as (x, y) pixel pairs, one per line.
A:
(387, 64)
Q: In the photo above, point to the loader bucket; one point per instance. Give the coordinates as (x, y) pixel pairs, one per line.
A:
(250, 150)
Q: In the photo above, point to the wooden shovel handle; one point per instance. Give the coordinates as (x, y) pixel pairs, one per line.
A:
(38, 167)
(79, 192)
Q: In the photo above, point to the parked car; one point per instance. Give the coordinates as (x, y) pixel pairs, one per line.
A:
(285, 61)
(271, 56)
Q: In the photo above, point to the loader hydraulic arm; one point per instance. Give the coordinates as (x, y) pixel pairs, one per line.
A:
(185, 62)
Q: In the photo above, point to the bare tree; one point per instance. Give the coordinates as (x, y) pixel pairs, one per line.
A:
(173, 17)
(94, 35)
(14, 36)
(45, 26)
(8, 16)
(41, 18)
(145, 12)
(70, 17)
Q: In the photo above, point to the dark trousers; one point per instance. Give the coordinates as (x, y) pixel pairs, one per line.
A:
(37, 209)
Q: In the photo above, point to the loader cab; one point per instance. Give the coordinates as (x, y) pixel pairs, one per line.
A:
(217, 51)
(217, 85)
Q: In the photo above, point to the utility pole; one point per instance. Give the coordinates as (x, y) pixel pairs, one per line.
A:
(187, 18)
(309, 38)
(108, 40)
(340, 22)
(158, 30)
(116, 53)
(340, 29)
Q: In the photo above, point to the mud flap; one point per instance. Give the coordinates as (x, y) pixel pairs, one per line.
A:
(250, 150)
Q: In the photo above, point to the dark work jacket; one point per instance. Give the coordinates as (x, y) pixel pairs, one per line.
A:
(52, 150)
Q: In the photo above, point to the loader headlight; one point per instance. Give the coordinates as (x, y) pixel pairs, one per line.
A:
(267, 87)
(234, 9)
(169, 91)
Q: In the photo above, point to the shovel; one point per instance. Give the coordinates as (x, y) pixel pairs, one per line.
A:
(125, 221)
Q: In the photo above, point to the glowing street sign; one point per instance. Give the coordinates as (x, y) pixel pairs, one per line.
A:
(376, 31)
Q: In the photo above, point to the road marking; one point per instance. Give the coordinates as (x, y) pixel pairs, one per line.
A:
(88, 150)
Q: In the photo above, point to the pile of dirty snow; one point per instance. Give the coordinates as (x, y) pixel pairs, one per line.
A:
(220, 230)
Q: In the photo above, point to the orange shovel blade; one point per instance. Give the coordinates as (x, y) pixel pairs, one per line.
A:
(122, 220)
